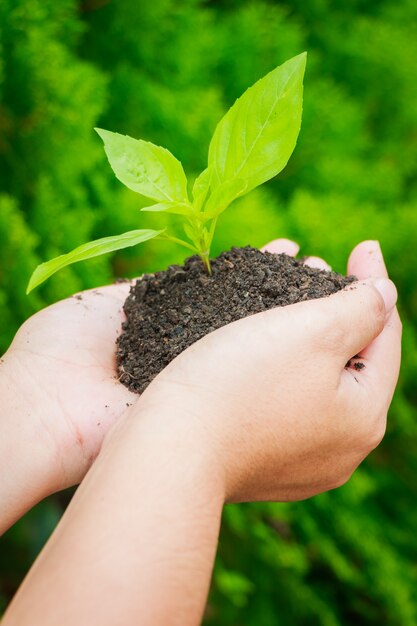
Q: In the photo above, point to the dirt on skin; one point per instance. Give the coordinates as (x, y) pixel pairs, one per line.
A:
(168, 311)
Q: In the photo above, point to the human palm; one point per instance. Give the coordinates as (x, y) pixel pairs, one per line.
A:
(64, 360)
(63, 363)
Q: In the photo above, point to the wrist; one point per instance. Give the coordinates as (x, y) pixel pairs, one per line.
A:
(174, 434)
(151, 504)
(205, 420)
(26, 453)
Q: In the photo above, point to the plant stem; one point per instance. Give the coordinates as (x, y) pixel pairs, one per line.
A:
(179, 242)
(205, 258)
(212, 229)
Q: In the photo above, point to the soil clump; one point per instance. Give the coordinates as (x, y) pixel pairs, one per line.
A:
(169, 310)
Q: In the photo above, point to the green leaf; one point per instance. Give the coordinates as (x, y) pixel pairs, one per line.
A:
(191, 234)
(256, 137)
(201, 187)
(177, 208)
(223, 195)
(88, 251)
(144, 167)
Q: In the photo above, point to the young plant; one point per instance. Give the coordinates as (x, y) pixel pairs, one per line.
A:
(251, 144)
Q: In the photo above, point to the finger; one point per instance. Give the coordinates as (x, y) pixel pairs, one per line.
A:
(281, 246)
(118, 291)
(349, 320)
(317, 262)
(366, 261)
(382, 357)
(381, 361)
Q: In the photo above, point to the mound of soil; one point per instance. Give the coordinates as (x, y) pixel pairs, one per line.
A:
(168, 311)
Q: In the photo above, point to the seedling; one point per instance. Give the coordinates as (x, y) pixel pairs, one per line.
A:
(251, 144)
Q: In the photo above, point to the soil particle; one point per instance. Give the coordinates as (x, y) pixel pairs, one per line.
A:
(358, 366)
(168, 311)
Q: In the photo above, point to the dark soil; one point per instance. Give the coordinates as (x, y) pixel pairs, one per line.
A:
(168, 311)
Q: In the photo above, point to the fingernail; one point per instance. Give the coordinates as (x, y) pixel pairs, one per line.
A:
(375, 248)
(376, 263)
(279, 246)
(317, 262)
(388, 291)
(293, 246)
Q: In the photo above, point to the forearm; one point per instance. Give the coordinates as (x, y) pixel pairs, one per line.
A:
(138, 541)
(24, 454)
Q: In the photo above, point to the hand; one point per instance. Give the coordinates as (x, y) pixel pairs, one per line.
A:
(283, 414)
(263, 408)
(59, 396)
(61, 365)
(62, 362)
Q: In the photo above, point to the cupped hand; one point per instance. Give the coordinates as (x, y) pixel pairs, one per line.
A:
(62, 365)
(272, 395)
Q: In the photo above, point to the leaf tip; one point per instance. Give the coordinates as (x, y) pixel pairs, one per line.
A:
(30, 286)
(301, 60)
(102, 133)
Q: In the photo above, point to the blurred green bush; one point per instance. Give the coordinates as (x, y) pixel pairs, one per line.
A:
(166, 70)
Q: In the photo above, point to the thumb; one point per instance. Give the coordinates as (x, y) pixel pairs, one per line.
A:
(349, 320)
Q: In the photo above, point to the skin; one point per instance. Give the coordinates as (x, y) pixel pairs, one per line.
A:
(262, 409)
(59, 363)
(60, 396)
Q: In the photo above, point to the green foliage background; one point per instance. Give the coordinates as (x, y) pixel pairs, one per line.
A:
(166, 70)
